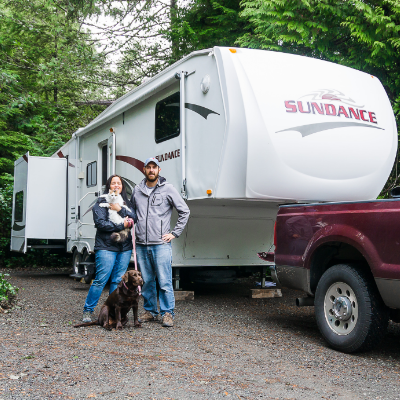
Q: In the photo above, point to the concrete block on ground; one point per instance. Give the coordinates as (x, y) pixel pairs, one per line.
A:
(183, 295)
(265, 293)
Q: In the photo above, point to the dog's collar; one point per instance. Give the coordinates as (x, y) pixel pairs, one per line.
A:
(126, 287)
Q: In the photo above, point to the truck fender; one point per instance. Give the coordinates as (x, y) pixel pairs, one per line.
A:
(344, 234)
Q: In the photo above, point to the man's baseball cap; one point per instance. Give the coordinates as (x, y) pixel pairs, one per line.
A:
(152, 159)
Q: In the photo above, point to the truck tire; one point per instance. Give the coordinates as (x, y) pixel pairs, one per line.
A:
(350, 313)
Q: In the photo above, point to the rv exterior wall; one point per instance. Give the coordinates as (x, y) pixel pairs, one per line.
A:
(315, 130)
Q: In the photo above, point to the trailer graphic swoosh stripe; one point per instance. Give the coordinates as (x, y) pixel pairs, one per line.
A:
(17, 228)
(204, 112)
(132, 161)
(306, 130)
(61, 155)
(91, 205)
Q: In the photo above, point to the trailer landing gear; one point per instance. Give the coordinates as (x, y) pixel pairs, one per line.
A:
(178, 292)
(264, 292)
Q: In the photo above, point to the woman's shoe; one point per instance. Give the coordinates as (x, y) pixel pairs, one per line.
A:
(87, 316)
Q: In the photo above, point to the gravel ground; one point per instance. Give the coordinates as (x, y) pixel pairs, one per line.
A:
(223, 345)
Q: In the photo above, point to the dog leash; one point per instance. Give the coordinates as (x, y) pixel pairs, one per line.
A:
(134, 249)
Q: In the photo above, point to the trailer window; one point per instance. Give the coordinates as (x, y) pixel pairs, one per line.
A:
(19, 207)
(168, 118)
(91, 174)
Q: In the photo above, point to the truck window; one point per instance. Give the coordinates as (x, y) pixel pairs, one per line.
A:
(19, 207)
(91, 174)
(168, 118)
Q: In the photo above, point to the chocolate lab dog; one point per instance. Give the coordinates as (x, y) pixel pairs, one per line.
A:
(113, 313)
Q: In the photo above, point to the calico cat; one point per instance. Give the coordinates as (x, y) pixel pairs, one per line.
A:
(115, 198)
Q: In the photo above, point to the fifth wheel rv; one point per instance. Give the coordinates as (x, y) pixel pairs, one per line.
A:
(238, 132)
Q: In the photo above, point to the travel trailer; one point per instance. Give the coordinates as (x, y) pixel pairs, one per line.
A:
(238, 132)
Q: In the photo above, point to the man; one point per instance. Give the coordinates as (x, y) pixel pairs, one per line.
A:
(153, 200)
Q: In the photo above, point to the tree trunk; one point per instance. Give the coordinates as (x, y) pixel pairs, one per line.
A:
(174, 41)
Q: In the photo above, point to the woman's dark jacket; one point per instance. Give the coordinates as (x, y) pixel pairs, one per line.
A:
(105, 228)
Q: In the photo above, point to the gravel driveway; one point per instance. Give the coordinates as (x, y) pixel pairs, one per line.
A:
(223, 345)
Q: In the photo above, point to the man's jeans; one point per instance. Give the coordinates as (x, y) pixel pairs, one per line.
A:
(156, 261)
(108, 263)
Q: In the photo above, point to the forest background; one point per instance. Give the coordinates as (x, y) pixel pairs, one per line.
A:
(62, 62)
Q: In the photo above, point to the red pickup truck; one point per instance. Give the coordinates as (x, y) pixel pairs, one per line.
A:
(346, 257)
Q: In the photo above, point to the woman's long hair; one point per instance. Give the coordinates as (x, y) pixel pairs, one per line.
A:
(123, 191)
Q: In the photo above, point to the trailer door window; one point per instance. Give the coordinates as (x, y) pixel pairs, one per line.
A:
(104, 169)
(168, 118)
(91, 174)
(19, 207)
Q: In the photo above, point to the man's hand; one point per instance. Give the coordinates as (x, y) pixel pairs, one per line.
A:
(115, 207)
(168, 237)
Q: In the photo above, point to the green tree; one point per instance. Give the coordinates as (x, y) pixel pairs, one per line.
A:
(204, 24)
(360, 34)
(47, 66)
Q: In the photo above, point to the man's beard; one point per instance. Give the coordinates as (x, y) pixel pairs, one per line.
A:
(153, 178)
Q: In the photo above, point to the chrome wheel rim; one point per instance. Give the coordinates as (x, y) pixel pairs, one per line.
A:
(76, 263)
(341, 308)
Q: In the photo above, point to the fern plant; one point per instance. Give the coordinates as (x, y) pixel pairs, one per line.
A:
(7, 291)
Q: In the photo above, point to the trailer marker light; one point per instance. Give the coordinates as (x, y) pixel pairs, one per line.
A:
(209, 191)
(232, 50)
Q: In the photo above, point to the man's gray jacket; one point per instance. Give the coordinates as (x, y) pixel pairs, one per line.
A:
(154, 212)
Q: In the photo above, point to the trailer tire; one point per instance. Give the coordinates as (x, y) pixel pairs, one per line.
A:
(349, 310)
(76, 261)
(89, 274)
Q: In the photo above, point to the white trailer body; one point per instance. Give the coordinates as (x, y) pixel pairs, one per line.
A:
(39, 212)
(237, 132)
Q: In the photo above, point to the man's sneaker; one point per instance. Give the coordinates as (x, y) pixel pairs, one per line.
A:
(167, 320)
(87, 316)
(148, 317)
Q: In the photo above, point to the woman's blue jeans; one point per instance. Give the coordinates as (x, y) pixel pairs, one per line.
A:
(108, 264)
(155, 261)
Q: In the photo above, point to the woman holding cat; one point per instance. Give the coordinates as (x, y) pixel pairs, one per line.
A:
(112, 257)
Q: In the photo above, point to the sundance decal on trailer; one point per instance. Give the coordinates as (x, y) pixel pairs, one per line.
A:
(169, 156)
(330, 110)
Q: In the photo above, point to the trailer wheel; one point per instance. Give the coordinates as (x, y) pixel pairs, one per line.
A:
(76, 262)
(350, 313)
(88, 270)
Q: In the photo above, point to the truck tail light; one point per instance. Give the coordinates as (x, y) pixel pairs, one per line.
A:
(275, 235)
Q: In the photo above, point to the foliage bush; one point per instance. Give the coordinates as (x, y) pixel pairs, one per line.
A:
(8, 292)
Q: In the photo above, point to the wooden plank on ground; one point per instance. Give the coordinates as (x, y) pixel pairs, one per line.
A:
(184, 295)
(265, 293)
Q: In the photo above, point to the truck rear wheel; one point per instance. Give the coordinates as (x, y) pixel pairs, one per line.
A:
(350, 313)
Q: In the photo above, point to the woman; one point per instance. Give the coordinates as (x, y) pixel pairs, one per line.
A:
(112, 258)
